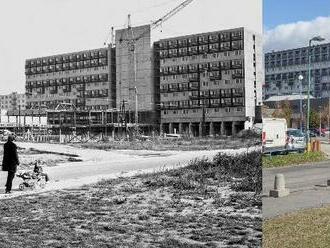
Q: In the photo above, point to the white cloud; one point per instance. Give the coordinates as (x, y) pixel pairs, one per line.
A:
(292, 35)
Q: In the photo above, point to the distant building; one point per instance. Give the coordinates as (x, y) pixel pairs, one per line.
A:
(210, 82)
(13, 101)
(282, 69)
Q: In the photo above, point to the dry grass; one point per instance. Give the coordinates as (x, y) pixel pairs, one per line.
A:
(201, 205)
(183, 144)
(304, 229)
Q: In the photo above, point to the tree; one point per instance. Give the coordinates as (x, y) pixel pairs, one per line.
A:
(314, 121)
(283, 110)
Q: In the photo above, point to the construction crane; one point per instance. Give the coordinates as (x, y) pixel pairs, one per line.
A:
(158, 22)
(131, 42)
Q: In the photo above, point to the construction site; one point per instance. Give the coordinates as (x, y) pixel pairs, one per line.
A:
(195, 85)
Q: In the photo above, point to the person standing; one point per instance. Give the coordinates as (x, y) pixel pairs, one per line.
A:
(10, 161)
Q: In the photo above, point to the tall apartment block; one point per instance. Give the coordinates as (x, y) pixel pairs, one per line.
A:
(13, 101)
(282, 69)
(211, 82)
(85, 79)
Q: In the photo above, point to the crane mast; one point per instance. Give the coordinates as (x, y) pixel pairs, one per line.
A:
(131, 41)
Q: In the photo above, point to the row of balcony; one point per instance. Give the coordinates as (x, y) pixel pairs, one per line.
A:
(202, 49)
(66, 58)
(66, 66)
(203, 39)
(203, 103)
(203, 67)
(69, 80)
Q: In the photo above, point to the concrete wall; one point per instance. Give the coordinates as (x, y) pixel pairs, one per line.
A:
(125, 75)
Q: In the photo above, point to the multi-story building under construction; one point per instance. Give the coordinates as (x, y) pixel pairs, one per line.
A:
(84, 79)
(202, 83)
(211, 82)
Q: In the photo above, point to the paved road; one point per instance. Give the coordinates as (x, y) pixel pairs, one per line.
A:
(298, 177)
(307, 184)
(100, 164)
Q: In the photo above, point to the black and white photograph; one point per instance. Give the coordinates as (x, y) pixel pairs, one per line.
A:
(133, 123)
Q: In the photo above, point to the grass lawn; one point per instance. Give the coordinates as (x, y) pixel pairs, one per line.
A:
(206, 204)
(304, 229)
(293, 159)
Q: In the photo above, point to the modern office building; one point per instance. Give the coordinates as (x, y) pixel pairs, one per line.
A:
(13, 101)
(282, 69)
(83, 79)
(210, 83)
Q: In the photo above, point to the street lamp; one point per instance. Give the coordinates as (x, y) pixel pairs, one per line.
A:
(317, 39)
(300, 78)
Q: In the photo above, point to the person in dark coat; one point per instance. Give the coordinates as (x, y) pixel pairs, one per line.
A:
(10, 161)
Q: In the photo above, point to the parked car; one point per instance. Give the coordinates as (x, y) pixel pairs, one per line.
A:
(296, 139)
(317, 132)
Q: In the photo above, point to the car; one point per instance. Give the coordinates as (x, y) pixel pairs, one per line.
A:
(296, 139)
(317, 132)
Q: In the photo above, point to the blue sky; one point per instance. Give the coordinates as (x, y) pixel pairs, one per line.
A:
(277, 12)
(291, 23)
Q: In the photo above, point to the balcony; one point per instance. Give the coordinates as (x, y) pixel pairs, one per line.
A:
(236, 35)
(66, 89)
(236, 65)
(194, 86)
(215, 76)
(238, 104)
(214, 67)
(226, 104)
(193, 68)
(225, 37)
(182, 43)
(237, 75)
(226, 94)
(236, 45)
(225, 47)
(215, 103)
(213, 48)
(183, 52)
(192, 41)
(214, 38)
(238, 93)
(172, 44)
(194, 96)
(193, 50)
(203, 40)
(193, 77)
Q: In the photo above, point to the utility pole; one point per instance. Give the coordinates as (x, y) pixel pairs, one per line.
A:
(136, 111)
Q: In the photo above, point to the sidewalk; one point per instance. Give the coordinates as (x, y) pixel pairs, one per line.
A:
(300, 200)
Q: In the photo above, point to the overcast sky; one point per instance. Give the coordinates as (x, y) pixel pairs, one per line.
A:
(35, 28)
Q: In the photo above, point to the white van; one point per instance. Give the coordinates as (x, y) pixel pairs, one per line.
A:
(274, 135)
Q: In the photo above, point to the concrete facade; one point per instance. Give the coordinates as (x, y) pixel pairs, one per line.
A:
(12, 101)
(135, 73)
(282, 69)
(210, 83)
(84, 79)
